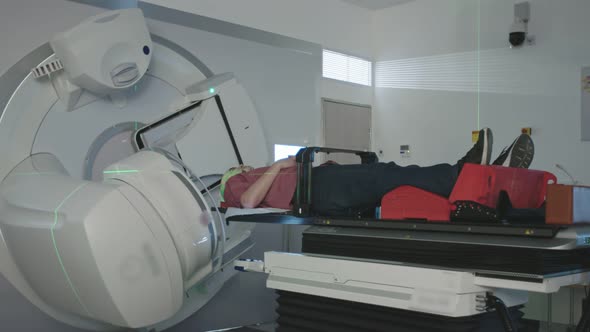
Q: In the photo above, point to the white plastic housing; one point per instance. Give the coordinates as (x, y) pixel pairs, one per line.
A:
(180, 205)
(103, 224)
(107, 52)
(430, 290)
(121, 251)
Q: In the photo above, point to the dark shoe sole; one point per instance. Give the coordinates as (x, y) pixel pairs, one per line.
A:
(487, 147)
(522, 153)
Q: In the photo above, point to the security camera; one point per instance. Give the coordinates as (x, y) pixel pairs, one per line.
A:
(518, 32)
(519, 29)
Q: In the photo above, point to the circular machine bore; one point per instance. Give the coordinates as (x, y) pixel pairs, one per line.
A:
(97, 134)
(114, 144)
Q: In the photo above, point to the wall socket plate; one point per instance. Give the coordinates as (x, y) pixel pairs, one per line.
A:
(404, 151)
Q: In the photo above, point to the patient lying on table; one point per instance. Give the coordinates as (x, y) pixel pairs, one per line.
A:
(342, 189)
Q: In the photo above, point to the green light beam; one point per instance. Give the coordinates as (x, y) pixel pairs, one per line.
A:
(478, 64)
(55, 219)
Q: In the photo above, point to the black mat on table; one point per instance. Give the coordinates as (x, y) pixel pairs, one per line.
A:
(451, 255)
(307, 313)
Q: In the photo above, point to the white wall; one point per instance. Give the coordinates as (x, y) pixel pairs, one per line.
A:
(344, 91)
(434, 87)
(27, 24)
(437, 124)
(428, 70)
(331, 23)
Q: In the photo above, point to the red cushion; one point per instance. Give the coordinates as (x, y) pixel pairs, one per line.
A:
(483, 184)
(412, 203)
(476, 183)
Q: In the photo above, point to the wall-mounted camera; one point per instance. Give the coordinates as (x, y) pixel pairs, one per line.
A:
(518, 33)
(519, 29)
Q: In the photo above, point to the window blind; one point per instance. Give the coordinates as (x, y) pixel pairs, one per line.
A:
(347, 68)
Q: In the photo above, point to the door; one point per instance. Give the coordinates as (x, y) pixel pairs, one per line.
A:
(346, 126)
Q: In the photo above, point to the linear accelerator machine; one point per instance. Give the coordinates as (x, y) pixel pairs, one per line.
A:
(99, 235)
(106, 196)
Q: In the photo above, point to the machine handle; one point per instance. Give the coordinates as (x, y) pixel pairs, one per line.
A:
(306, 155)
(249, 265)
(304, 158)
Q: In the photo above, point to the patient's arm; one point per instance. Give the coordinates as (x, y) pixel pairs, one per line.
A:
(252, 197)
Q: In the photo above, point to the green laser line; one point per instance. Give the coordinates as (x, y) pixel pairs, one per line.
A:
(55, 218)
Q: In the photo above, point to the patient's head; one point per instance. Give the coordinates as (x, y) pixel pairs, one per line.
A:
(232, 172)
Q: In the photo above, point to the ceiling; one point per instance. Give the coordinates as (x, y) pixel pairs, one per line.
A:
(375, 4)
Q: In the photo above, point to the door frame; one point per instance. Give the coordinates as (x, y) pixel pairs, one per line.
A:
(323, 119)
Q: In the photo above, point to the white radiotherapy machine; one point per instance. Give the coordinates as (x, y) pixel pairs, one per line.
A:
(108, 176)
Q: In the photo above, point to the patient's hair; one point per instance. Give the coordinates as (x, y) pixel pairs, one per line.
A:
(232, 172)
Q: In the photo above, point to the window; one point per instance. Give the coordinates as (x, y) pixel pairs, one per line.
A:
(284, 151)
(347, 68)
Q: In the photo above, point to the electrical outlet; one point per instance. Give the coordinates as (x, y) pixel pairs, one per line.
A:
(404, 151)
